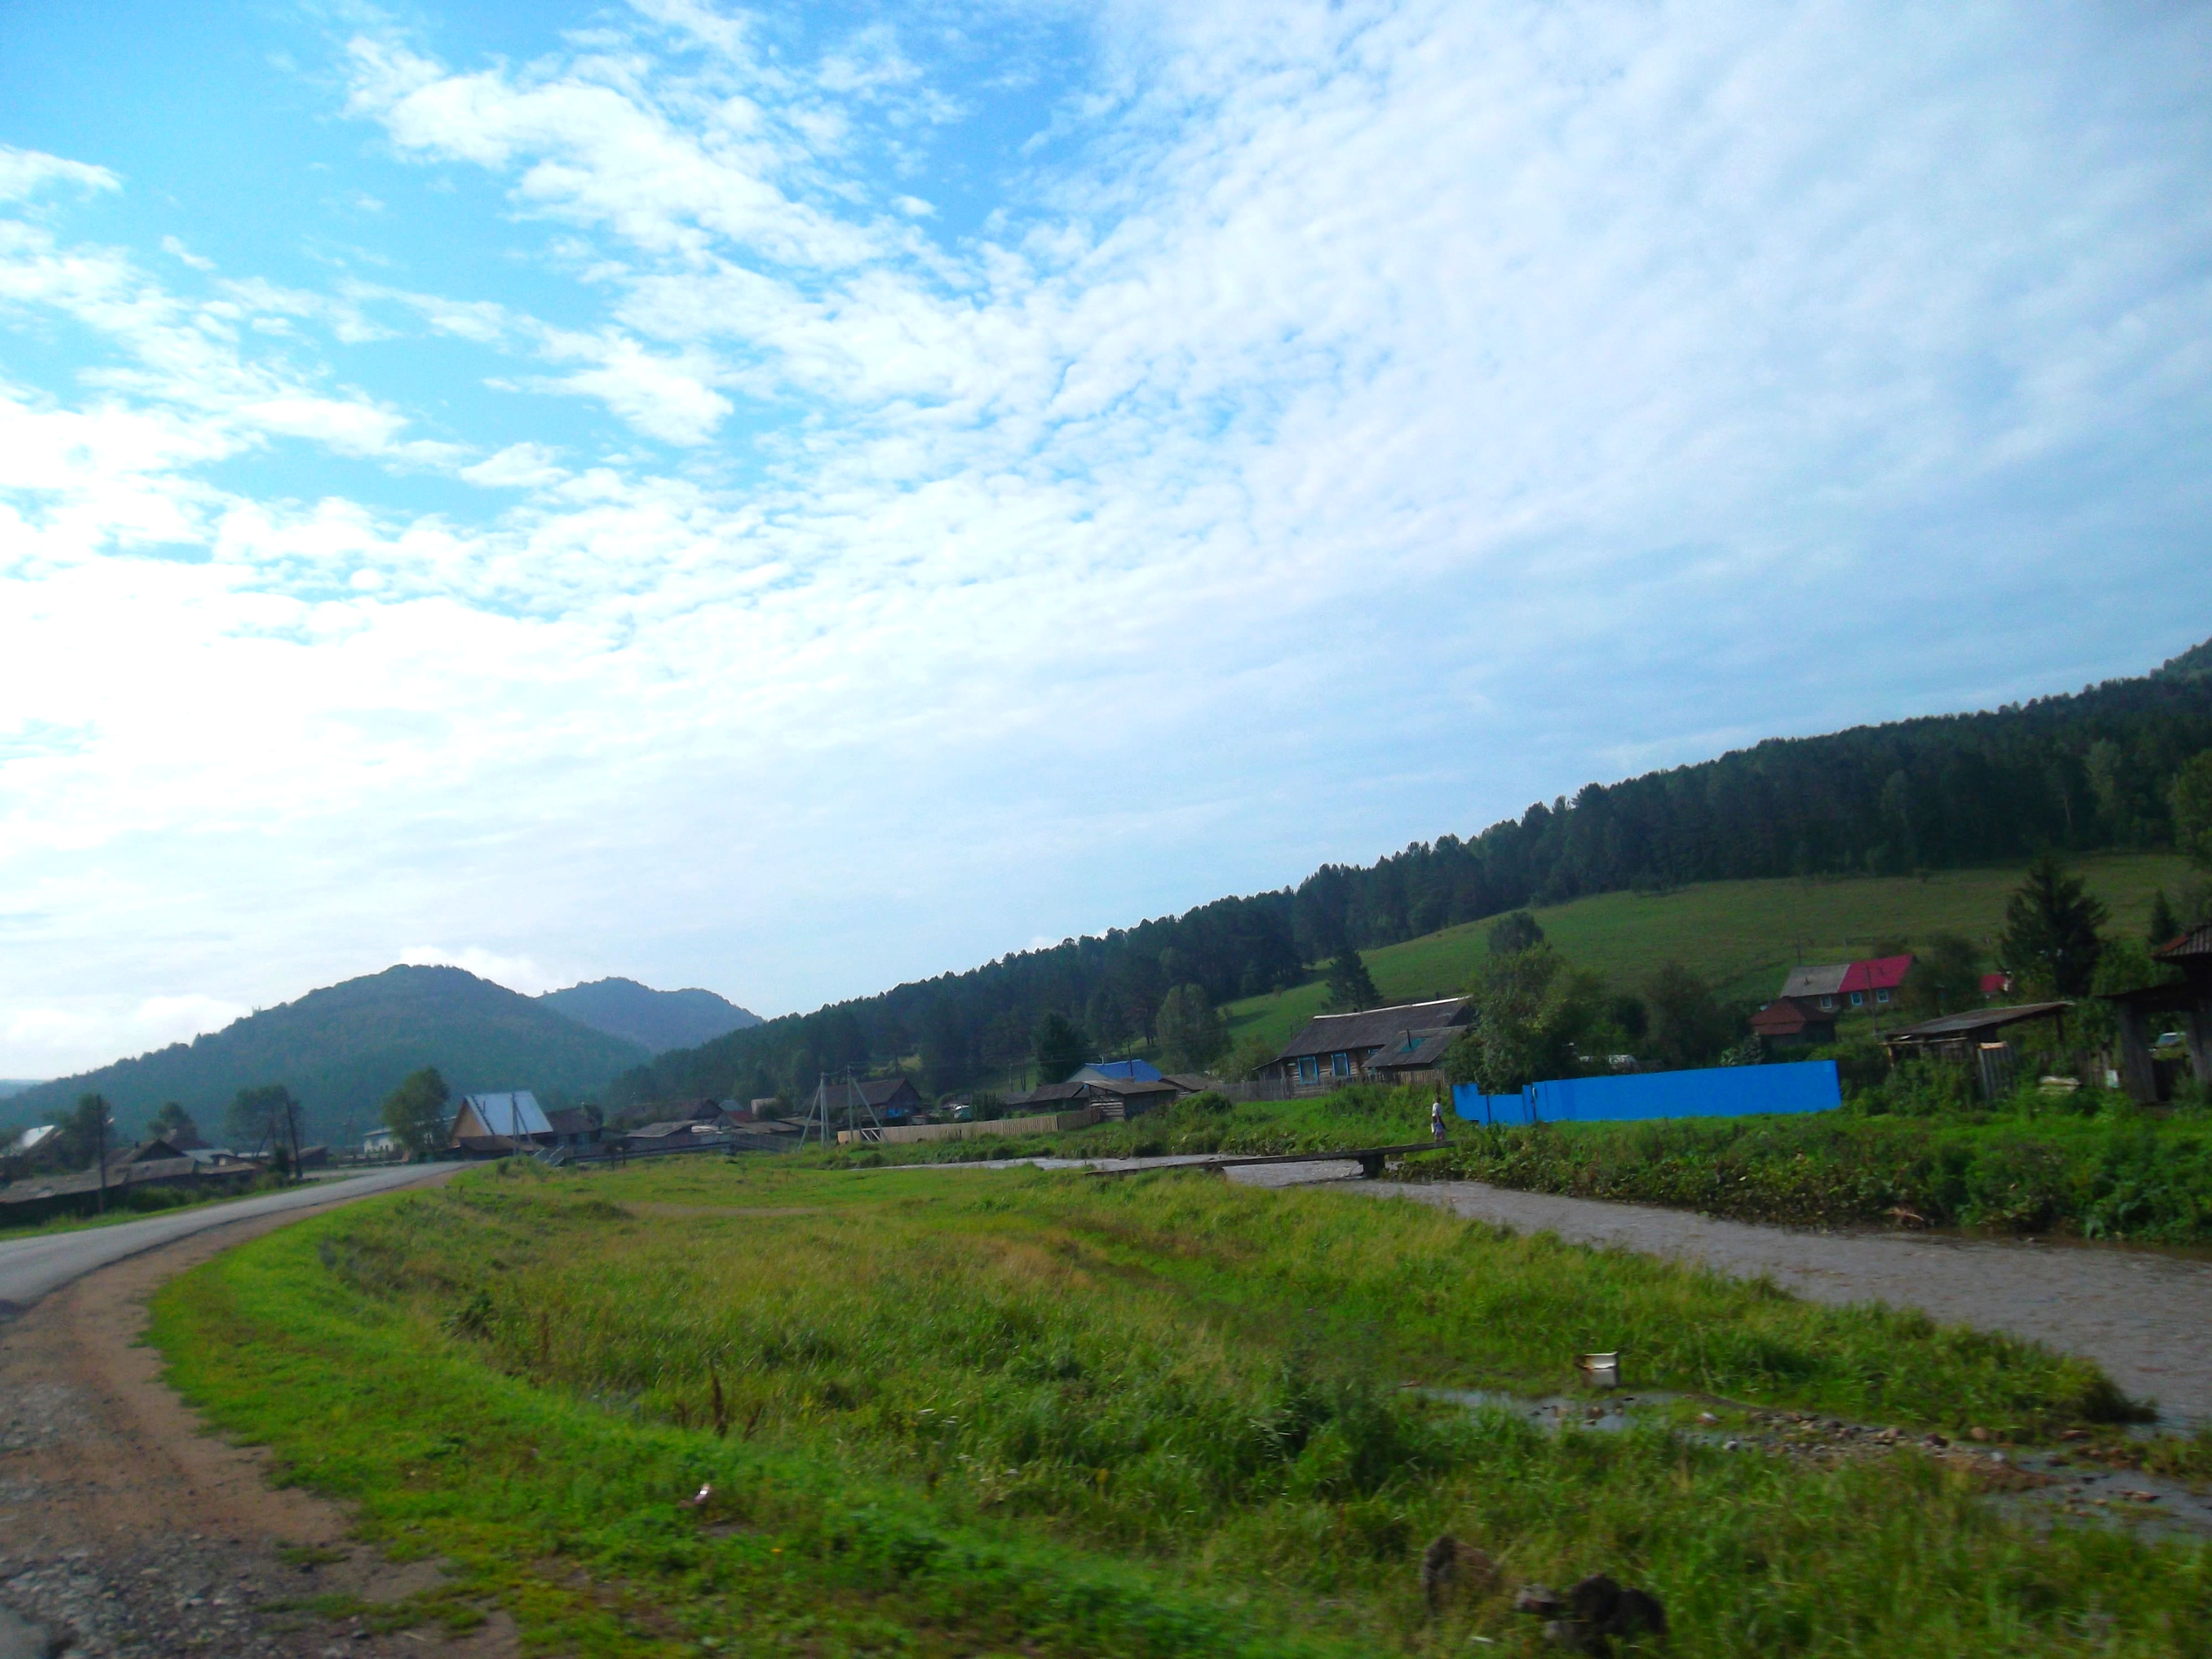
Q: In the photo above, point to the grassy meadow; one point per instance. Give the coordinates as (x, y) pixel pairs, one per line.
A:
(1740, 936)
(958, 1412)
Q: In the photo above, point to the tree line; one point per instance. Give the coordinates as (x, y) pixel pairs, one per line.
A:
(2091, 771)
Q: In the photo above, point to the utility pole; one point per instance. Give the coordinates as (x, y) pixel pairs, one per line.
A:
(99, 1140)
(292, 1123)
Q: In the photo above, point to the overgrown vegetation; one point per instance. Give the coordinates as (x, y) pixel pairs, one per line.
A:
(949, 1413)
(1917, 1148)
(2098, 1170)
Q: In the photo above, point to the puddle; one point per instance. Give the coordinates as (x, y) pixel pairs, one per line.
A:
(2043, 1487)
(1605, 1414)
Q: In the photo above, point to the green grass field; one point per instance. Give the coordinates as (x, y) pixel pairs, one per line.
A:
(1741, 936)
(970, 1413)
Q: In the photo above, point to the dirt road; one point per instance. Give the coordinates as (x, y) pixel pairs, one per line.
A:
(126, 1531)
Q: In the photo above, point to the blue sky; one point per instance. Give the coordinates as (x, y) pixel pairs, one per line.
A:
(797, 499)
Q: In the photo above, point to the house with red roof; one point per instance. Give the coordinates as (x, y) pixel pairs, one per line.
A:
(1813, 998)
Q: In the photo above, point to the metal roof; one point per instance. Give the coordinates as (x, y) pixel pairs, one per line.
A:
(1119, 1070)
(1413, 1050)
(1818, 982)
(1878, 974)
(514, 1113)
(1329, 1034)
(2196, 942)
(1951, 1027)
(30, 1139)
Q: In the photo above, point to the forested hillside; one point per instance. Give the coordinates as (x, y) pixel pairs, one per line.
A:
(2082, 772)
(342, 1049)
(655, 1020)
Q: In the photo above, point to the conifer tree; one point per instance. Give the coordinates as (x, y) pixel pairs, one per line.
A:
(2050, 935)
(1351, 987)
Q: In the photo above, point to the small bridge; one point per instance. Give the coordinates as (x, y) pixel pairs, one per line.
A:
(1368, 1158)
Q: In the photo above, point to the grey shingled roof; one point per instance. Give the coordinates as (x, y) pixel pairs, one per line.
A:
(1329, 1034)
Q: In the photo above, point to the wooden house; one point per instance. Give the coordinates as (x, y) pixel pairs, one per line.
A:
(1332, 1049)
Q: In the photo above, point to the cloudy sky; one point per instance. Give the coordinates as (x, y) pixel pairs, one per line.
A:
(793, 500)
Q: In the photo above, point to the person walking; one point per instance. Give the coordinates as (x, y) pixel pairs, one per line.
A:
(1437, 1121)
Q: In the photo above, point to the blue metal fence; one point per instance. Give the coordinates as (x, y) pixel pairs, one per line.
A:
(1808, 1085)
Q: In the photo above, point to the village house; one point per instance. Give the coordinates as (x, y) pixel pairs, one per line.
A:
(1811, 999)
(892, 1099)
(1336, 1048)
(1116, 1097)
(500, 1123)
(1414, 1057)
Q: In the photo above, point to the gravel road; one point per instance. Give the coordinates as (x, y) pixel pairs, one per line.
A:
(29, 1267)
(2145, 1316)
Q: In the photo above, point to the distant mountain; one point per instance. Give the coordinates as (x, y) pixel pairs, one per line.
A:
(659, 1020)
(12, 1086)
(342, 1049)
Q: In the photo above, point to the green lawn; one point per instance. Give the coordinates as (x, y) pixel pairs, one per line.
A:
(959, 1412)
(1742, 936)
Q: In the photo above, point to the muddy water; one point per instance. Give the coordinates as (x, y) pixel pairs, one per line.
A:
(2145, 1317)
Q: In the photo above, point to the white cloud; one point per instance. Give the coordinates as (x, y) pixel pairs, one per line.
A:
(1356, 423)
(175, 248)
(517, 973)
(46, 1041)
(23, 173)
(518, 467)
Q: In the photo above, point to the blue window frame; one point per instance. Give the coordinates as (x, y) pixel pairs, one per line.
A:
(1309, 1068)
(1858, 998)
(1340, 1065)
(1881, 996)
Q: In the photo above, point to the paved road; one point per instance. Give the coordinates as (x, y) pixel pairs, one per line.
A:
(29, 1267)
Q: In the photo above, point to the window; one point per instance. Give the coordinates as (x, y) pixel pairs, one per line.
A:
(1881, 996)
(1858, 998)
(1827, 1005)
(1309, 1068)
(1339, 1064)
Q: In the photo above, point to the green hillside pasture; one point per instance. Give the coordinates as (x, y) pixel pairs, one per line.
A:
(1742, 936)
(953, 1413)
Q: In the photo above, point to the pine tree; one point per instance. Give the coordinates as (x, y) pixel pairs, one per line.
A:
(2164, 924)
(1351, 987)
(1059, 1046)
(2050, 935)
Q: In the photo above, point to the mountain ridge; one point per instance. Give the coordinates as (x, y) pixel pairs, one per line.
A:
(656, 1020)
(341, 1049)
